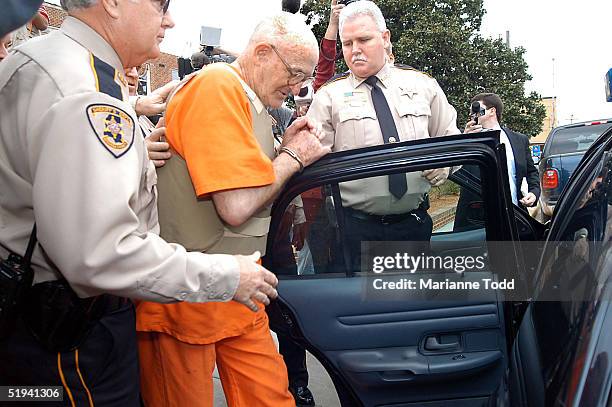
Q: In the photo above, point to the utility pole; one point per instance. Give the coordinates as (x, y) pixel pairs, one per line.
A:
(508, 38)
(554, 95)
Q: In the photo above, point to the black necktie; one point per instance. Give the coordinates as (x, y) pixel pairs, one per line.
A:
(397, 182)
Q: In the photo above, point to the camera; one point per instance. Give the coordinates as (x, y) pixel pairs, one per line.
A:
(476, 110)
(304, 98)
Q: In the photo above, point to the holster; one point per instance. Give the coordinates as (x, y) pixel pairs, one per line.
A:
(59, 319)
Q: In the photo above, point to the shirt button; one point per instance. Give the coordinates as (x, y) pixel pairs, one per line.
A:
(392, 140)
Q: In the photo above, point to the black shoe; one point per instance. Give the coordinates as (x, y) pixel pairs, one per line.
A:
(303, 396)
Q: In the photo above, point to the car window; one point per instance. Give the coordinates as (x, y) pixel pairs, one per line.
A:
(576, 139)
(321, 222)
(573, 271)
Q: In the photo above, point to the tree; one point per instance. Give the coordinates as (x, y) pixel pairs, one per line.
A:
(442, 39)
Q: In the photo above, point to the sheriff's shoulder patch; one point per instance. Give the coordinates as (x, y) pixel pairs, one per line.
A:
(336, 78)
(113, 127)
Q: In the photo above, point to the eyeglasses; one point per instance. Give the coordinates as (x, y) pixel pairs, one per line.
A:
(163, 5)
(295, 77)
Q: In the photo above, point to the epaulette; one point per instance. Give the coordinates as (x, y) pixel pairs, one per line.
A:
(105, 76)
(336, 78)
(409, 68)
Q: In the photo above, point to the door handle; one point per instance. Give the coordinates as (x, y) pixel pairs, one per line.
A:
(433, 344)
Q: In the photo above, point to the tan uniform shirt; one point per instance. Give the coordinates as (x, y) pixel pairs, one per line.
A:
(73, 159)
(345, 110)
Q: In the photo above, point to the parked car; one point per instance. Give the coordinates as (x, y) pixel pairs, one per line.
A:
(551, 348)
(563, 150)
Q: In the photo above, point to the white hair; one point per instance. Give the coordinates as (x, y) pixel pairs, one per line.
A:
(362, 8)
(74, 4)
(289, 29)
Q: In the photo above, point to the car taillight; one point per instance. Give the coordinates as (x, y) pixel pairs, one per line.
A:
(550, 180)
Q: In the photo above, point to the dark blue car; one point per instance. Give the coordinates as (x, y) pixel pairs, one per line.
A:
(546, 341)
(563, 151)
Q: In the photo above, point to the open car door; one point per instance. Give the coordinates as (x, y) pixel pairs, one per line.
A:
(400, 347)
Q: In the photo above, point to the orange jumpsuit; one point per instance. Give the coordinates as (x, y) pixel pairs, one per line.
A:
(209, 124)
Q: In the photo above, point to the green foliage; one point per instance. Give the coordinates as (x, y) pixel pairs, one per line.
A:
(441, 38)
(448, 188)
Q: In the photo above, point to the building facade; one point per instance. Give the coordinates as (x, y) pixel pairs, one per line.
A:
(550, 121)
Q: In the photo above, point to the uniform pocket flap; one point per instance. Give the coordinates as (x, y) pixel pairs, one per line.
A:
(413, 109)
(355, 114)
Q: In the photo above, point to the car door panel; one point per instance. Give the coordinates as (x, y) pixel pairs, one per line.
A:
(418, 349)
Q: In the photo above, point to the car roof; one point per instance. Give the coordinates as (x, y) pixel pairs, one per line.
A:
(585, 123)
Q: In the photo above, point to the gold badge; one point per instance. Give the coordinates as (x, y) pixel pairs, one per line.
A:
(113, 127)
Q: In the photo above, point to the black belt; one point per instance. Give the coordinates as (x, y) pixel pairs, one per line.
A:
(111, 303)
(417, 214)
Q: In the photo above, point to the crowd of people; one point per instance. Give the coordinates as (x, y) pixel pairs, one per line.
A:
(146, 238)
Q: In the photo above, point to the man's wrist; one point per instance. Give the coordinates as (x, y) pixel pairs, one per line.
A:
(293, 155)
(134, 102)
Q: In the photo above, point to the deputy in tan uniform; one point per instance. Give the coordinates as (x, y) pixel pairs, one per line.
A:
(72, 160)
(375, 103)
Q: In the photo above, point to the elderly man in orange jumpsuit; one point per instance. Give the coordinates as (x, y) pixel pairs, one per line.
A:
(219, 129)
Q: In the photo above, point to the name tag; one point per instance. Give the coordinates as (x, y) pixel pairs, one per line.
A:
(355, 99)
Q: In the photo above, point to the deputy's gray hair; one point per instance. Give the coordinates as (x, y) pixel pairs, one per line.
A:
(289, 29)
(362, 8)
(74, 4)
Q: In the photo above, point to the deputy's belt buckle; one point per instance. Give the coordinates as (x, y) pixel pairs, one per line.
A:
(386, 219)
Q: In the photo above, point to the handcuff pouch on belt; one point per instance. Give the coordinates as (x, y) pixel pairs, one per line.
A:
(54, 314)
(58, 318)
(16, 278)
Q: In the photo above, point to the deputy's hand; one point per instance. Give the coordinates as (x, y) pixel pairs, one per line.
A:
(529, 199)
(155, 103)
(299, 235)
(304, 138)
(158, 149)
(437, 176)
(472, 127)
(256, 283)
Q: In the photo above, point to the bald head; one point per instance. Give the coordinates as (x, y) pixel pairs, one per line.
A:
(285, 30)
(282, 52)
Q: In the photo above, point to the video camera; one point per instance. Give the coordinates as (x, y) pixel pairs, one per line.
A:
(476, 110)
(214, 58)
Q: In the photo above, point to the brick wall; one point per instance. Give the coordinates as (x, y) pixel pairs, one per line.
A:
(161, 68)
(56, 14)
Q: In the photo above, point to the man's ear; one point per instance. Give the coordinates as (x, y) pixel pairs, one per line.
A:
(111, 7)
(386, 38)
(262, 52)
